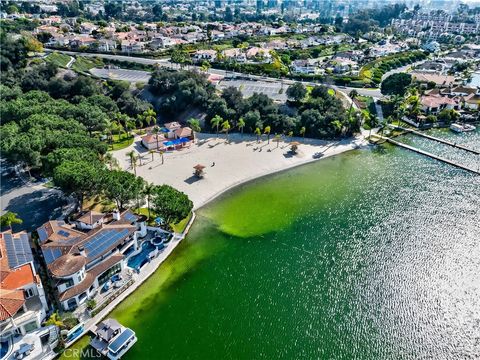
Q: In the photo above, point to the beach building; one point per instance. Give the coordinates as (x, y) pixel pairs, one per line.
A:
(112, 339)
(154, 141)
(79, 262)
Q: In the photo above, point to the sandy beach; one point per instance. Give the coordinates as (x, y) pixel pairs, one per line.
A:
(240, 159)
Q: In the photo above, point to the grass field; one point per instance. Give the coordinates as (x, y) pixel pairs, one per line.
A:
(120, 142)
(58, 59)
(84, 64)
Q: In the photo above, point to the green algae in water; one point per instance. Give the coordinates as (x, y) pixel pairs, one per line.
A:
(367, 255)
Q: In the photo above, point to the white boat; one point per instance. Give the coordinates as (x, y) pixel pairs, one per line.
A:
(459, 128)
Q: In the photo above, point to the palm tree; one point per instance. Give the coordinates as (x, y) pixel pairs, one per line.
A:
(194, 125)
(258, 132)
(241, 125)
(110, 160)
(290, 135)
(129, 125)
(161, 155)
(150, 116)
(133, 161)
(205, 66)
(267, 131)
(302, 132)
(277, 139)
(148, 191)
(216, 121)
(156, 131)
(10, 218)
(226, 127)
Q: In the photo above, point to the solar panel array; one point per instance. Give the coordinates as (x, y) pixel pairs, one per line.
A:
(51, 254)
(121, 340)
(42, 234)
(101, 241)
(64, 233)
(18, 250)
(130, 217)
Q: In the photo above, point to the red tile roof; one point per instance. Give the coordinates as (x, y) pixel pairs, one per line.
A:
(10, 302)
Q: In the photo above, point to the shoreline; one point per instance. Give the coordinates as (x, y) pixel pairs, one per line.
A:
(227, 164)
(274, 172)
(152, 267)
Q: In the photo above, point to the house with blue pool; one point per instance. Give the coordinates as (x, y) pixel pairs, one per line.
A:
(85, 254)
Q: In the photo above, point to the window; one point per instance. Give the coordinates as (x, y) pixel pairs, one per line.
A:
(29, 293)
(109, 273)
(30, 326)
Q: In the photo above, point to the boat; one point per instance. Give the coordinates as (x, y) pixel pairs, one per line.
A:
(459, 128)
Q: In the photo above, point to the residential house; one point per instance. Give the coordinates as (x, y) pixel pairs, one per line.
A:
(80, 262)
(433, 104)
(87, 28)
(234, 54)
(78, 41)
(105, 45)
(308, 66)
(23, 304)
(258, 54)
(342, 65)
(204, 55)
(129, 46)
(472, 101)
(161, 42)
(439, 80)
(170, 129)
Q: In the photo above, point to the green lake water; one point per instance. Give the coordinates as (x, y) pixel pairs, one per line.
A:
(372, 254)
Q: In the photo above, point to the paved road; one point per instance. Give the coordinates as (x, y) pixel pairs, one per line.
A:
(122, 74)
(230, 74)
(34, 203)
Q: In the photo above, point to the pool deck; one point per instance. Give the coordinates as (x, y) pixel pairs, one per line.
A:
(146, 271)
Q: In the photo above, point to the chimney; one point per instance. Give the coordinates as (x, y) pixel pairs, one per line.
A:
(116, 215)
(81, 249)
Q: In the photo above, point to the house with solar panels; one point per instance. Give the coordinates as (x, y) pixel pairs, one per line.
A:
(23, 304)
(112, 339)
(80, 260)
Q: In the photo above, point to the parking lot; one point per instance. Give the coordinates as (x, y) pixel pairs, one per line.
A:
(275, 90)
(122, 74)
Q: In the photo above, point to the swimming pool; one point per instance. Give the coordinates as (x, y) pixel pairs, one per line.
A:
(4, 347)
(137, 261)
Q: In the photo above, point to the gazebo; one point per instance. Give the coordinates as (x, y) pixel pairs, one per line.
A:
(199, 170)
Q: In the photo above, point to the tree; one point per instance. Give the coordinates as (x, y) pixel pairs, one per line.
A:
(277, 139)
(148, 191)
(133, 160)
(79, 178)
(205, 66)
(226, 127)
(216, 121)
(241, 125)
(150, 116)
(122, 187)
(194, 125)
(55, 319)
(302, 132)
(267, 131)
(110, 160)
(296, 92)
(9, 218)
(258, 133)
(396, 84)
(156, 131)
(171, 204)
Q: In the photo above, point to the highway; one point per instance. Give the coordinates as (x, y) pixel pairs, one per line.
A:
(375, 93)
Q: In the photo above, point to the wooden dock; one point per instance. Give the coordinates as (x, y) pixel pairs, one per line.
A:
(426, 153)
(446, 142)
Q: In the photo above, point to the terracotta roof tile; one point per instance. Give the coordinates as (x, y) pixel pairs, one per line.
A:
(10, 302)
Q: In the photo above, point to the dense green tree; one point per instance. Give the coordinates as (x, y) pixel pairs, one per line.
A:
(396, 84)
(171, 204)
(122, 187)
(80, 178)
(296, 92)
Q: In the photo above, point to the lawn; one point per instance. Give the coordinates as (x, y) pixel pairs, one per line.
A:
(121, 142)
(178, 228)
(83, 64)
(61, 60)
